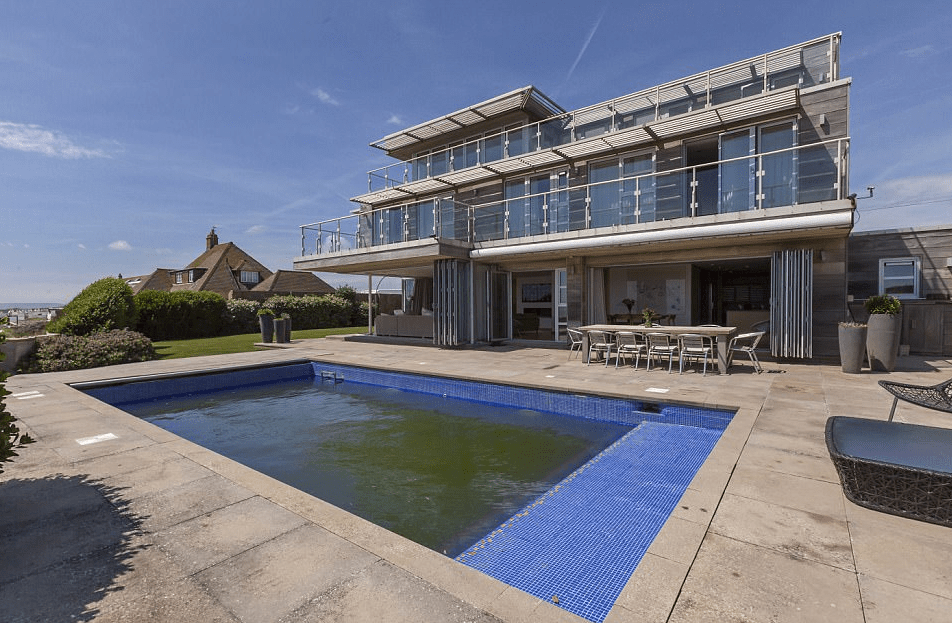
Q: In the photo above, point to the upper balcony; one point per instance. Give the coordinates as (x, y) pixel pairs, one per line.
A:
(621, 122)
(783, 178)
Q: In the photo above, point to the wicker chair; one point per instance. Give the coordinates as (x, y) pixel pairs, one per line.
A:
(937, 397)
(892, 467)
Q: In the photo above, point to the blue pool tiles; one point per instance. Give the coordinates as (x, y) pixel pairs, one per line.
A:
(581, 540)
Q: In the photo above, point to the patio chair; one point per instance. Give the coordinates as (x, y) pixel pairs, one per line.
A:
(628, 344)
(576, 342)
(745, 343)
(599, 342)
(659, 345)
(936, 397)
(892, 467)
(696, 347)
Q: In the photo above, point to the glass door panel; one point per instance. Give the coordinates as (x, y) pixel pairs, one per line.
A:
(736, 178)
(778, 183)
(539, 186)
(604, 204)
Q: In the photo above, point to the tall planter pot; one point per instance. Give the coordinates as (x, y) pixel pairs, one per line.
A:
(852, 347)
(882, 341)
(266, 322)
(279, 327)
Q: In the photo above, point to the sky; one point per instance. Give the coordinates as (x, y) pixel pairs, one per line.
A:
(129, 129)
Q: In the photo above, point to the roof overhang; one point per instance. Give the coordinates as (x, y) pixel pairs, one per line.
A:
(527, 98)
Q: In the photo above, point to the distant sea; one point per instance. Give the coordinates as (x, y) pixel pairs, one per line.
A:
(28, 305)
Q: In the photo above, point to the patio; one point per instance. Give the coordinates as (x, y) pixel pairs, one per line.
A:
(146, 526)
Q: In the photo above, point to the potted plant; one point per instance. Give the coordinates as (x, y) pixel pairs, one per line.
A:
(852, 337)
(648, 314)
(882, 336)
(266, 323)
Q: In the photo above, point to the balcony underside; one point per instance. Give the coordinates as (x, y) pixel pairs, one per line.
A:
(775, 225)
(402, 259)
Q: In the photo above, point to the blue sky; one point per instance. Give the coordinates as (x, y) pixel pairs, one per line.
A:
(129, 129)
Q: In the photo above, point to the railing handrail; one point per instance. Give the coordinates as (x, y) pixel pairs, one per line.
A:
(473, 208)
(610, 105)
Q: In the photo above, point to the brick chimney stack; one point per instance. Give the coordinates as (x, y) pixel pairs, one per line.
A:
(211, 240)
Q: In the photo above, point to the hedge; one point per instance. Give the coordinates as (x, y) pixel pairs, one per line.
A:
(11, 439)
(57, 353)
(180, 315)
(102, 306)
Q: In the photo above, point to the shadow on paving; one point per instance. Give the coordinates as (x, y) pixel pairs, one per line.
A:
(64, 542)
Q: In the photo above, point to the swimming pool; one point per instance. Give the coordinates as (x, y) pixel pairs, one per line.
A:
(578, 539)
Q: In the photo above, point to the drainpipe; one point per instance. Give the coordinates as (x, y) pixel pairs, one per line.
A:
(370, 304)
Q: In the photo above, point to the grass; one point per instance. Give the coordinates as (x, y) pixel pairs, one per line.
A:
(177, 349)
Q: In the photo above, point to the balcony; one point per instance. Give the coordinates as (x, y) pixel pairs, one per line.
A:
(622, 121)
(785, 177)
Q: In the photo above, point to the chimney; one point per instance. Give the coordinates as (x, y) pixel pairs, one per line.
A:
(211, 240)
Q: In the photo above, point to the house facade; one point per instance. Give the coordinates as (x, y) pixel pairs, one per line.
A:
(914, 265)
(226, 269)
(721, 197)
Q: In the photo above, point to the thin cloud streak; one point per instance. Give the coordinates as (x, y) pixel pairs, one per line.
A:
(37, 139)
(588, 40)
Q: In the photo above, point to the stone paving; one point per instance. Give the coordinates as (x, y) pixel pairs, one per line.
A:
(143, 525)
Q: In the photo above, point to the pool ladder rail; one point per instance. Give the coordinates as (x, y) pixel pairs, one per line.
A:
(332, 375)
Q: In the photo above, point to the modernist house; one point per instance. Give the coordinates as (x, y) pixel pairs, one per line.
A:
(721, 197)
(226, 269)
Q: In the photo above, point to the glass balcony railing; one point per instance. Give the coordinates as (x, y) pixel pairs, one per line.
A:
(806, 64)
(792, 176)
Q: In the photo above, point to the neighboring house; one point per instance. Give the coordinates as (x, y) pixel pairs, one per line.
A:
(226, 269)
(722, 197)
(915, 265)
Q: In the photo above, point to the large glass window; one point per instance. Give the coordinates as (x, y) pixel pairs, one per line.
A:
(515, 206)
(899, 277)
(637, 193)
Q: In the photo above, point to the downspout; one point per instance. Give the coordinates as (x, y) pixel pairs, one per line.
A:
(370, 304)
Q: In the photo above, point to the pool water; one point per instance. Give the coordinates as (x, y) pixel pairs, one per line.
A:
(440, 471)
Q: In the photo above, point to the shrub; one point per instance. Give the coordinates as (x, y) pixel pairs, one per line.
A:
(58, 353)
(11, 438)
(883, 304)
(180, 315)
(241, 316)
(313, 312)
(102, 306)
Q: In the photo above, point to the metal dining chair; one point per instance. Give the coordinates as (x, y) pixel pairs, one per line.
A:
(576, 342)
(697, 347)
(745, 343)
(659, 345)
(628, 344)
(599, 342)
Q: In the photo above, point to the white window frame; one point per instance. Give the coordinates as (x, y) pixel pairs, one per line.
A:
(178, 277)
(250, 273)
(914, 262)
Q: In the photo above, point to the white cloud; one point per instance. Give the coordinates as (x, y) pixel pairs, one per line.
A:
(395, 120)
(81, 246)
(324, 97)
(120, 245)
(35, 138)
(920, 52)
(256, 229)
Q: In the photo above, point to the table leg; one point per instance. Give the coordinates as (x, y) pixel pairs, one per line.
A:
(722, 356)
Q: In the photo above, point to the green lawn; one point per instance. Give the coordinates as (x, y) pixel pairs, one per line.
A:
(176, 349)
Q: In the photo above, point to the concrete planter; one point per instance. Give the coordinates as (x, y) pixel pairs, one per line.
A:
(852, 348)
(15, 349)
(882, 341)
(266, 323)
(280, 331)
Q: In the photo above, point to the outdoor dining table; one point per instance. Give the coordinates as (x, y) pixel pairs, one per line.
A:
(721, 336)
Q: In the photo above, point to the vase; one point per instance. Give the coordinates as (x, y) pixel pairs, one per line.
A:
(882, 341)
(852, 348)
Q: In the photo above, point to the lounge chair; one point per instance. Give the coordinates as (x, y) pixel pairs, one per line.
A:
(937, 397)
(892, 467)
